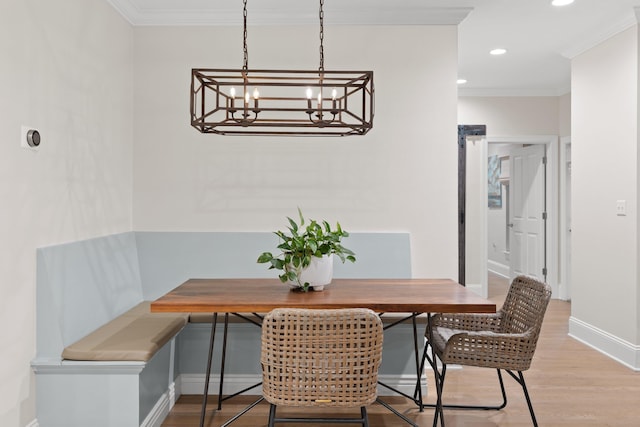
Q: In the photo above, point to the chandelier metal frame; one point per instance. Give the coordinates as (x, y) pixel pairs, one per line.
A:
(282, 102)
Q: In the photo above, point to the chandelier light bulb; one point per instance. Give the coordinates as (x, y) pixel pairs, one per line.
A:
(233, 92)
(256, 94)
(246, 97)
(334, 93)
(309, 93)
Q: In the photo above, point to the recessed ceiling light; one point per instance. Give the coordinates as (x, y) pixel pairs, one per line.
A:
(461, 81)
(498, 51)
(561, 2)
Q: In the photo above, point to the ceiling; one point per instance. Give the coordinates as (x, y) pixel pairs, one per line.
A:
(540, 39)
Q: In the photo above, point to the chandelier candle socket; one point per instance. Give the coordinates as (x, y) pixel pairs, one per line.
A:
(283, 100)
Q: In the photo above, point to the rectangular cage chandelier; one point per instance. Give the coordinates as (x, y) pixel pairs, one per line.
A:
(282, 102)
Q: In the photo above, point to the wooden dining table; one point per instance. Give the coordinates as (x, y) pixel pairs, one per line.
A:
(412, 296)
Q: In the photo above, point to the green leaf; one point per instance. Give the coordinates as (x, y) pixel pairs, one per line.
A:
(294, 226)
(347, 251)
(306, 261)
(291, 276)
(265, 257)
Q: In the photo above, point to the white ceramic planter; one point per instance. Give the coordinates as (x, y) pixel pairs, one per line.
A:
(319, 273)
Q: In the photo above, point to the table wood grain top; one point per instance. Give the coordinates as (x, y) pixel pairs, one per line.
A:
(382, 295)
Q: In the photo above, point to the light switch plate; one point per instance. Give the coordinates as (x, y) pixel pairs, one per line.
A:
(621, 207)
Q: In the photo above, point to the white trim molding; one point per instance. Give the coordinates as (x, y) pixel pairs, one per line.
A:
(616, 348)
(194, 383)
(552, 143)
(161, 409)
(279, 12)
(498, 268)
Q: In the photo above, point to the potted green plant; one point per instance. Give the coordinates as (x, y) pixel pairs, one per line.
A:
(306, 259)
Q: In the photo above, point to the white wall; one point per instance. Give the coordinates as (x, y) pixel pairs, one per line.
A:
(564, 124)
(604, 170)
(66, 69)
(401, 176)
(512, 116)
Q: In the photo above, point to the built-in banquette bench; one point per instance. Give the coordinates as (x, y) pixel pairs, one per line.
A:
(102, 359)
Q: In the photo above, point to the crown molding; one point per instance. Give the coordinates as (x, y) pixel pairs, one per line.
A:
(601, 36)
(261, 15)
(521, 92)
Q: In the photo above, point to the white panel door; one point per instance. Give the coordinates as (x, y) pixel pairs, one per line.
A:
(527, 203)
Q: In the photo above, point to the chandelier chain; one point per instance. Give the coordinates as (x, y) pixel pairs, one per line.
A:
(245, 65)
(321, 14)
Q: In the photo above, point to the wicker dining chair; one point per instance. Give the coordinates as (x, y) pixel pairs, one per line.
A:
(321, 358)
(505, 340)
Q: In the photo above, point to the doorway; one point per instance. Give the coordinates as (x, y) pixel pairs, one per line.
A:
(478, 244)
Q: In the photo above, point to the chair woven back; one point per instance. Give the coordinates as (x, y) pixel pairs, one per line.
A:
(524, 307)
(321, 357)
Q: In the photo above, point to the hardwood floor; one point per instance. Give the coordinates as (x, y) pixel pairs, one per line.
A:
(570, 385)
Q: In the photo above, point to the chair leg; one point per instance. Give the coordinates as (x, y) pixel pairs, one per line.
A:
(272, 415)
(438, 378)
(502, 390)
(365, 418)
(520, 380)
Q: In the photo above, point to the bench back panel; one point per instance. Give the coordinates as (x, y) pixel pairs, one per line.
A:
(167, 259)
(83, 285)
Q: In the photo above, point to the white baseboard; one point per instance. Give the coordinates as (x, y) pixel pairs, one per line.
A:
(161, 409)
(618, 349)
(498, 268)
(194, 384)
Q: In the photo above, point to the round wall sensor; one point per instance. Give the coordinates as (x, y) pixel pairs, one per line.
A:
(33, 138)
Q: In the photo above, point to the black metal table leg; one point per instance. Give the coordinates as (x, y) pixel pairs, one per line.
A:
(224, 357)
(214, 321)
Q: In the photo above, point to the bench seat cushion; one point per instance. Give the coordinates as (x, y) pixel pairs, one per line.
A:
(135, 335)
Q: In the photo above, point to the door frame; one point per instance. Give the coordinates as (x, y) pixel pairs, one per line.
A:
(564, 287)
(552, 242)
(463, 132)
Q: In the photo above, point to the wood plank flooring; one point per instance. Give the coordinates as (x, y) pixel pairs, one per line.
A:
(570, 385)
